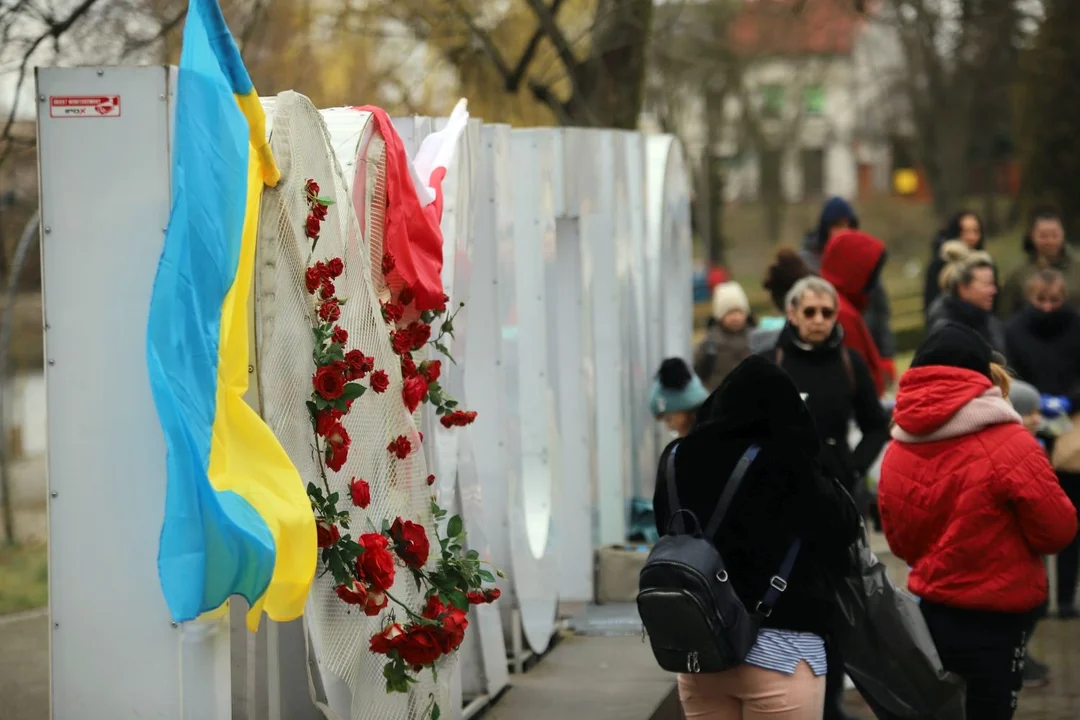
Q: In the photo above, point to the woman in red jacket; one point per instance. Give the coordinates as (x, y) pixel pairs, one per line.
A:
(970, 502)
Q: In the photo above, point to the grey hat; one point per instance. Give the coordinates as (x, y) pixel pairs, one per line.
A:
(1024, 397)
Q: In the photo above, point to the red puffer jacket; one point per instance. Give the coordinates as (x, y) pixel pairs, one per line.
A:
(852, 262)
(967, 496)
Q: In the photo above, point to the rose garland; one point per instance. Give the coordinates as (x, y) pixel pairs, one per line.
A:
(364, 569)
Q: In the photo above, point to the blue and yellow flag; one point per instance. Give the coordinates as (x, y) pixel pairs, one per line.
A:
(237, 517)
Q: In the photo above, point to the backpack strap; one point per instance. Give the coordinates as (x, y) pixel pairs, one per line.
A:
(675, 521)
(732, 486)
(778, 582)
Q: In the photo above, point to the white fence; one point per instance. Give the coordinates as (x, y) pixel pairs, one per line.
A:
(571, 249)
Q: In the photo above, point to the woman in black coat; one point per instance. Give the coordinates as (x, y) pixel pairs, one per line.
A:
(784, 495)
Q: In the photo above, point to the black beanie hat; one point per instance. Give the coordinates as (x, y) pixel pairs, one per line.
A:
(955, 345)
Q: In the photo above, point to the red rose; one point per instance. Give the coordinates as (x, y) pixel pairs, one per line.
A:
(434, 608)
(400, 447)
(352, 593)
(319, 210)
(406, 295)
(452, 632)
(327, 420)
(402, 340)
(358, 364)
(385, 641)
(418, 646)
(311, 187)
(327, 290)
(312, 279)
(360, 492)
(431, 369)
(458, 418)
(420, 334)
(376, 603)
(476, 597)
(326, 533)
(430, 480)
(492, 594)
(413, 391)
(392, 312)
(330, 311)
(380, 381)
(408, 367)
(411, 542)
(376, 564)
(340, 336)
(311, 229)
(337, 447)
(336, 266)
(324, 272)
(388, 263)
(328, 382)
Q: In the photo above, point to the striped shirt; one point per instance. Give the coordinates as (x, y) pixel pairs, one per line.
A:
(782, 650)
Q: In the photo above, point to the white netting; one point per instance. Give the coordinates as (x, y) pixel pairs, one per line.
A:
(285, 314)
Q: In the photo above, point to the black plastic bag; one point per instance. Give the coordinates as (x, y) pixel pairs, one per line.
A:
(887, 648)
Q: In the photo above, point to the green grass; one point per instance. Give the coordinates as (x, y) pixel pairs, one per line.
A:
(24, 577)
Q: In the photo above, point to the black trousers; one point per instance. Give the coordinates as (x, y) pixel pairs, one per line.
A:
(1068, 560)
(834, 684)
(987, 650)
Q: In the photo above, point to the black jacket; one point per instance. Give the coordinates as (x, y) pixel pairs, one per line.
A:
(835, 396)
(1044, 349)
(949, 308)
(784, 494)
(931, 287)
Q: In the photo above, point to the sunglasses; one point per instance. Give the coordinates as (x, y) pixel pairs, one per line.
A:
(826, 312)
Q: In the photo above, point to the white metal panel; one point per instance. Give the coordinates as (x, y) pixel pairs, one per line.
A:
(105, 205)
(670, 243)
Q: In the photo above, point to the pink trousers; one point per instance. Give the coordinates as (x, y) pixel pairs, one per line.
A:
(751, 693)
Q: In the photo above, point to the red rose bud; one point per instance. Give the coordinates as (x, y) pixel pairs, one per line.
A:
(311, 187)
(326, 534)
(328, 382)
(380, 381)
(406, 295)
(383, 642)
(400, 447)
(352, 593)
(326, 421)
(336, 266)
(431, 369)
(376, 564)
(311, 229)
(411, 542)
(492, 594)
(319, 210)
(329, 311)
(388, 263)
(430, 480)
(413, 391)
(476, 598)
(339, 336)
(327, 290)
(312, 280)
(360, 492)
(337, 447)
(408, 367)
(458, 418)
(376, 603)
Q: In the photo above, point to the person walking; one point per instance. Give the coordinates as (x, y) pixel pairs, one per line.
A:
(969, 501)
(676, 396)
(786, 495)
(837, 389)
(727, 340)
(1043, 341)
(968, 289)
(964, 226)
(1044, 247)
(837, 216)
(852, 263)
(787, 269)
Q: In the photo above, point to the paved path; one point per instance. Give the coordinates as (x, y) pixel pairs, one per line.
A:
(24, 666)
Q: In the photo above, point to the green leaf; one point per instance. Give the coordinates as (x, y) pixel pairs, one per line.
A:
(352, 391)
(324, 201)
(440, 410)
(472, 555)
(321, 403)
(339, 404)
(385, 526)
(457, 599)
(443, 542)
(487, 576)
(453, 528)
(451, 403)
(333, 498)
(435, 712)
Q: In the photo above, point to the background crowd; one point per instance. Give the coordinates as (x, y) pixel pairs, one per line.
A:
(981, 478)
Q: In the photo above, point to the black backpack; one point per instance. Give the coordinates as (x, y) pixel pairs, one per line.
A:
(695, 621)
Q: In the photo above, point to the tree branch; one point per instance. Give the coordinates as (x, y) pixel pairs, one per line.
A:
(485, 39)
(529, 53)
(555, 36)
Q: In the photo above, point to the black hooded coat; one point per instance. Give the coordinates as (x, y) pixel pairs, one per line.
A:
(784, 495)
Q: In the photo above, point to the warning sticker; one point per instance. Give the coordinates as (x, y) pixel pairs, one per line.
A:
(84, 106)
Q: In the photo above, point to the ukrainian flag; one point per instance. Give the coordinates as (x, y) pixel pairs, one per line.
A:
(237, 517)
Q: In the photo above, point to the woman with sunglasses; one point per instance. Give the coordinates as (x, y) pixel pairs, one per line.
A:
(836, 386)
